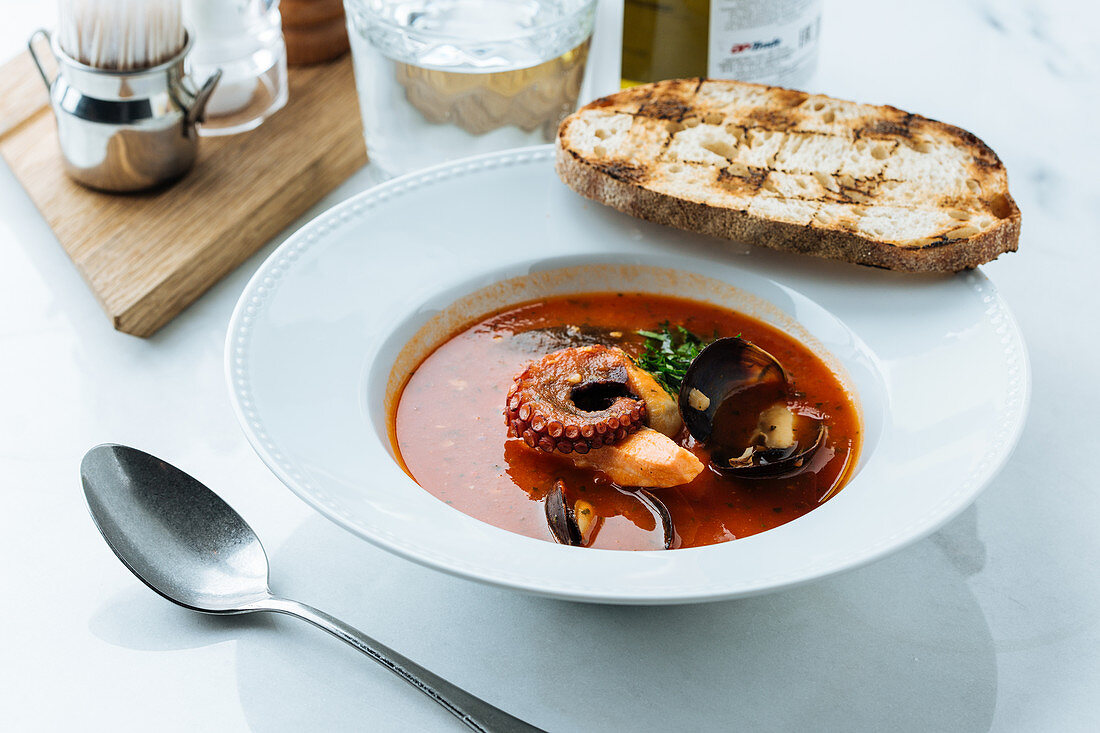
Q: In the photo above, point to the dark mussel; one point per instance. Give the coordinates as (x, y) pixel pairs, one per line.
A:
(730, 371)
(760, 461)
(561, 518)
(656, 505)
(733, 400)
(576, 524)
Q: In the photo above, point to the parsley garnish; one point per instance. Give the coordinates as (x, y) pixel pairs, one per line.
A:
(668, 354)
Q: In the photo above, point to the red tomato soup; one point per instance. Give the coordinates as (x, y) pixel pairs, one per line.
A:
(450, 433)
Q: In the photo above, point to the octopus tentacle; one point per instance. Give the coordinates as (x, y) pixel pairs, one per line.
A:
(574, 400)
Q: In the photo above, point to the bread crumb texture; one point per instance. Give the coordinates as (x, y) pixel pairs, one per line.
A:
(796, 171)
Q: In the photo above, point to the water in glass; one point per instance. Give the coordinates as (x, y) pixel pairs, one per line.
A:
(443, 79)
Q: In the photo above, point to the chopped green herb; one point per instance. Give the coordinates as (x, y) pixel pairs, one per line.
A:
(668, 353)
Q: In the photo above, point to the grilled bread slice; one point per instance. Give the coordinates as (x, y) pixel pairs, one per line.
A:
(794, 171)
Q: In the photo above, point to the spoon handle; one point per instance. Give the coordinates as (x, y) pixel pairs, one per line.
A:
(473, 711)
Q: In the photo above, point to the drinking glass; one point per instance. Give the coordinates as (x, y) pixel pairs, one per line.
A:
(444, 79)
(244, 39)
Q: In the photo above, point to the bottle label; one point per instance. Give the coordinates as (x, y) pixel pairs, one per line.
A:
(765, 42)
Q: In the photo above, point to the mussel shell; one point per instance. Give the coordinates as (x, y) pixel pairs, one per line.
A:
(560, 518)
(775, 462)
(650, 499)
(734, 369)
(725, 369)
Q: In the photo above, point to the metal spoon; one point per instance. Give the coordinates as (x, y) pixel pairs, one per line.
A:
(188, 545)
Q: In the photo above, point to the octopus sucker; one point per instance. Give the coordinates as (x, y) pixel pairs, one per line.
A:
(574, 400)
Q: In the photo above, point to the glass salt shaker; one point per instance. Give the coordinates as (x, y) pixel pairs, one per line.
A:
(244, 39)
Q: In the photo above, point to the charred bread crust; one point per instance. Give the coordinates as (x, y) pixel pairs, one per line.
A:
(836, 244)
(621, 185)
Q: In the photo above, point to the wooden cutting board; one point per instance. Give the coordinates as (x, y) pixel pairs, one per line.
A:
(148, 256)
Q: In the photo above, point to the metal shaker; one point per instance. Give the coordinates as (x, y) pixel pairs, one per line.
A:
(124, 130)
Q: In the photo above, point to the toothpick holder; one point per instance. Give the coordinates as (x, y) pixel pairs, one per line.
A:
(124, 130)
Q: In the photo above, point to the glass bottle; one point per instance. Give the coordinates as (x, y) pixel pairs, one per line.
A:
(764, 41)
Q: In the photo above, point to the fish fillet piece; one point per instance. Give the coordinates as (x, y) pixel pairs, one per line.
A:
(645, 458)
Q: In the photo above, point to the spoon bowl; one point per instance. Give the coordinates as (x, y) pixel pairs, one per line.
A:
(176, 535)
(188, 545)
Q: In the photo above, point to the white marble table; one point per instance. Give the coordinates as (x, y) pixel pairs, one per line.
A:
(993, 623)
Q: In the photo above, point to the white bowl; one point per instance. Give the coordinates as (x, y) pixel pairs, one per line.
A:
(330, 325)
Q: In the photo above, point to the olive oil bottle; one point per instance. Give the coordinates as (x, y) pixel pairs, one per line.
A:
(765, 41)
